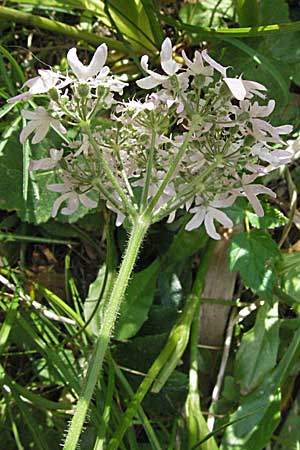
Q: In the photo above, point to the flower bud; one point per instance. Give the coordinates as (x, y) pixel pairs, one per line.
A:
(102, 92)
(83, 90)
(53, 94)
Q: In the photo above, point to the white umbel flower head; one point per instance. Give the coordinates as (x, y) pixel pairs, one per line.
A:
(83, 72)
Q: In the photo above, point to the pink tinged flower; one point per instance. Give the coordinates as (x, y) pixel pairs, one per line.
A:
(251, 191)
(83, 72)
(263, 130)
(24, 96)
(72, 198)
(39, 124)
(208, 215)
(47, 163)
(41, 84)
(276, 157)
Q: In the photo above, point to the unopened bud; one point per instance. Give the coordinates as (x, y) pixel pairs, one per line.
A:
(53, 94)
(83, 90)
(102, 93)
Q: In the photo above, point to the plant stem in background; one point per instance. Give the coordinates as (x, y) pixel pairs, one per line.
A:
(196, 424)
(138, 233)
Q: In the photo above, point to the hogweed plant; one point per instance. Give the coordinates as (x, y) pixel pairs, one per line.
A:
(196, 141)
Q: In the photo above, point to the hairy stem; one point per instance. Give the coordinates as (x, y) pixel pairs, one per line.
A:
(110, 315)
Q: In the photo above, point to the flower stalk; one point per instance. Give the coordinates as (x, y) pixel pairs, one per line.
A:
(137, 235)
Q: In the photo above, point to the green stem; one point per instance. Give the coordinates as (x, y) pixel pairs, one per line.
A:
(185, 195)
(196, 424)
(110, 315)
(171, 170)
(127, 203)
(168, 358)
(148, 171)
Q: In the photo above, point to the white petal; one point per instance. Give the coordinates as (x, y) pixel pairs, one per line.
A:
(87, 202)
(284, 129)
(221, 217)
(168, 65)
(148, 83)
(210, 227)
(58, 126)
(196, 220)
(250, 85)
(25, 96)
(40, 132)
(214, 63)
(58, 187)
(55, 154)
(27, 131)
(72, 205)
(29, 115)
(84, 72)
(41, 164)
(144, 62)
(236, 87)
(58, 202)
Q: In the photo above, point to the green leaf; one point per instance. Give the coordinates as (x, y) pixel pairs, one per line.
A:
(184, 245)
(259, 413)
(254, 255)
(274, 11)
(290, 275)
(263, 339)
(138, 299)
(273, 218)
(247, 12)
(37, 205)
(206, 12)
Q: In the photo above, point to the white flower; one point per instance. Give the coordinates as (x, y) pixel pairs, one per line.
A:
(264, 131)
(239, 88)
(251, 191)
(169, 66)
(46, 80)
(72, 198)
(197, 66)
(83, 72)
(208, 214)
(275, 157)
(47, 163)
(40, 123)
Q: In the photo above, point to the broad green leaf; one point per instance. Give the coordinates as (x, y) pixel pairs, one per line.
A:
(257, 354)
(206, 13)
(132, 22)
(184, 245)
(138, 299)
(259, 413)
(247, 12)
(36, 208)
(254, 255)
(273, 218)
(274, 11)
(290, 275)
